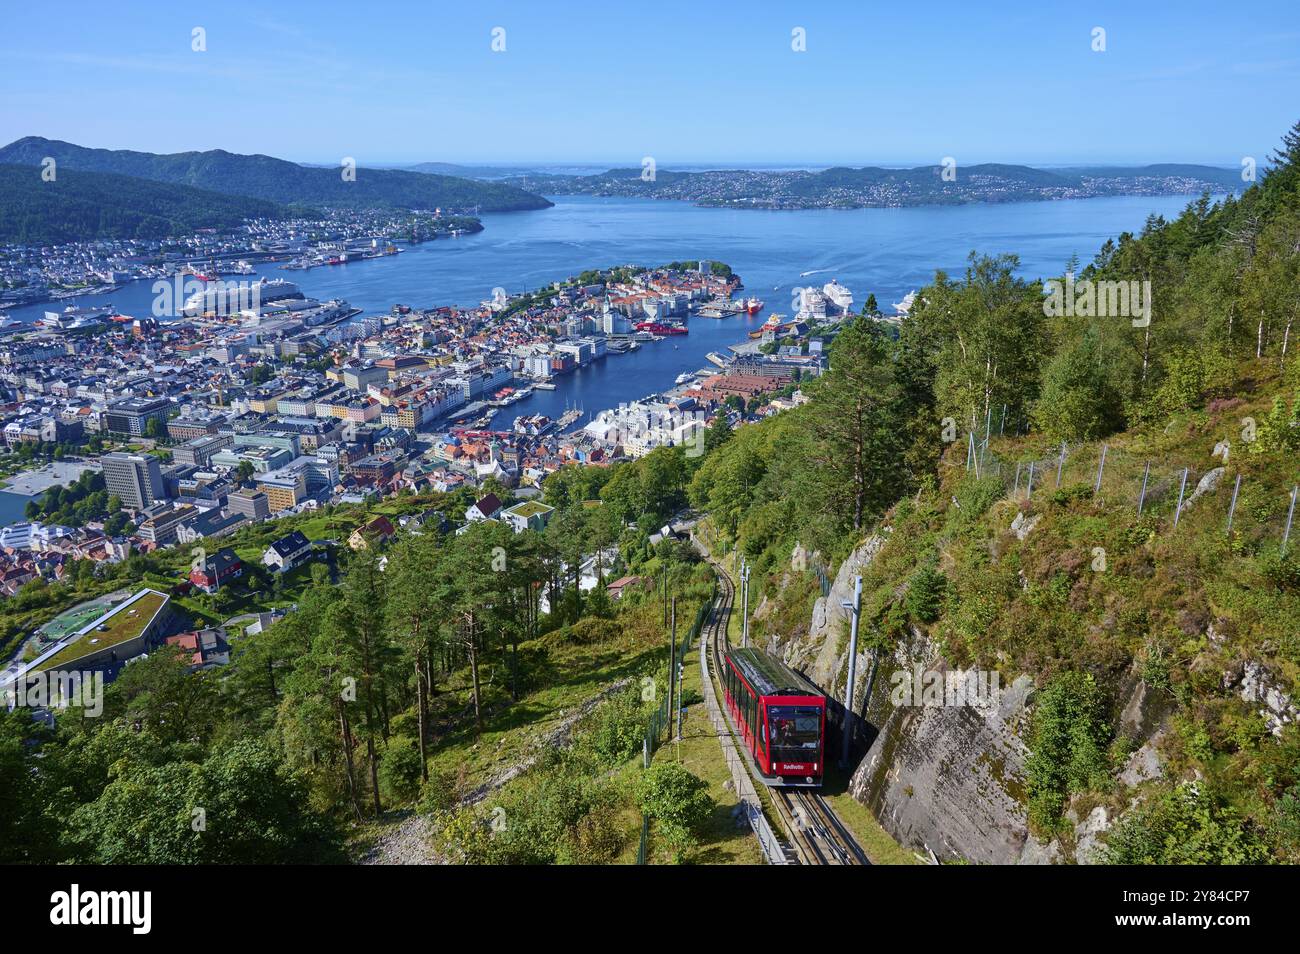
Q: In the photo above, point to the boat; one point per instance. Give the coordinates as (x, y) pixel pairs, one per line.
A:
(544, 386)
(685, 377)
(838, 295)
(751, 306)
(73, 317)
(774, 323)
(658, 328)
(234, 296)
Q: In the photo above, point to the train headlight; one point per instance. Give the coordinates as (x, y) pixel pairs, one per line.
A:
(808, 779)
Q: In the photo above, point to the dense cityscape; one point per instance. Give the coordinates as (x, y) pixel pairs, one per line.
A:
(210, 416)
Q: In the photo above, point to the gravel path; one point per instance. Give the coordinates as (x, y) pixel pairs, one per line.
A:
(407, 841)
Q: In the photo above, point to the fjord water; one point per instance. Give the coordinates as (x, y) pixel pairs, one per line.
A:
(885, 251)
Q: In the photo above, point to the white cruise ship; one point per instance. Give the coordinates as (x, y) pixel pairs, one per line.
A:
(73, 317)
(228, 298)
(838, 295)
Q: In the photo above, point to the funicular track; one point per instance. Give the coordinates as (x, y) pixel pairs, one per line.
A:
(815, 835)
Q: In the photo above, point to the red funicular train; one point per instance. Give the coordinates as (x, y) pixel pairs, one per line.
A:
(780, 714)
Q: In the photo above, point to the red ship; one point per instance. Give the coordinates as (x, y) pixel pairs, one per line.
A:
(655, 328)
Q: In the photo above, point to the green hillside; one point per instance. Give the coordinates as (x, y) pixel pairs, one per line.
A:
(1090, 594)
(97, 205)
(277, 180)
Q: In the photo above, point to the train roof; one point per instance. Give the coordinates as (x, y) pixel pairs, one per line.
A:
(771, 677)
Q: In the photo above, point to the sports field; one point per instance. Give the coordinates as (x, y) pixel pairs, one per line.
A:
(69, 621)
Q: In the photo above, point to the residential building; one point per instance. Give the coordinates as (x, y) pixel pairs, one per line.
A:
(529, 515)
(218, 569)
(377, 531)
(287, 552)
(206, 648)
(485, 508)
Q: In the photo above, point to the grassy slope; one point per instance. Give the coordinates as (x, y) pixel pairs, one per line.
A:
(701, 753)
(1047, 604)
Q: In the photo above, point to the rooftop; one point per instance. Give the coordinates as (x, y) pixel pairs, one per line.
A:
(122, 623)
(529, 508)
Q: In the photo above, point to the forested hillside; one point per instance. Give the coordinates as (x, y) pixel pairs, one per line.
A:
(276, 180)
(1123, 569)
(78, 206)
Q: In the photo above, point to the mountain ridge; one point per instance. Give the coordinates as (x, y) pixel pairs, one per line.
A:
(259, 176)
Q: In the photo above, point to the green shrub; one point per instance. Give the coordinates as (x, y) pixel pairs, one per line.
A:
(925, 594)
(399, 772)
(1068, 740)
(616, 729)
(677, 800)
(974, 497)
(1184, 826)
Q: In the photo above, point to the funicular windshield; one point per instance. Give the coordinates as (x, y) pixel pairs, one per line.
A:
(796, 732)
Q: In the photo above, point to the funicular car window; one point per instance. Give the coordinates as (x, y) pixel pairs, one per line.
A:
(796, 732)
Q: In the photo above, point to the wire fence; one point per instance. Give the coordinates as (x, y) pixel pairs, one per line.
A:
(1254, 512)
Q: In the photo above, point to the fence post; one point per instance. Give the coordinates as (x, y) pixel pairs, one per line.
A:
(1101, 466)
(1143, 495)
(1232, 507)
(1060, 465)
(1286, 534)
(1178, 511)
(1029, 485)
(1016, 489)
(1003, 426)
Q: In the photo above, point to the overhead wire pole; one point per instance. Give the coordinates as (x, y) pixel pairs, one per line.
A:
(853, 608)
(744, 602)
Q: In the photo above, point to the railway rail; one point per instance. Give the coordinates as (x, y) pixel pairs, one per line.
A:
(816, 835)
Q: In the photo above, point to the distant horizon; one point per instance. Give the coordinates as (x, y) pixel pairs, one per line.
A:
(662, 163)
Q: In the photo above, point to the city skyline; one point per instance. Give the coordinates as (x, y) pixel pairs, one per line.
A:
(509, 83)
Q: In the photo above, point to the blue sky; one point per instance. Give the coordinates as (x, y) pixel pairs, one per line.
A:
(889, 83)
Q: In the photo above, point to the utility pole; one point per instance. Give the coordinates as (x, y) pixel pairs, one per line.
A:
(672, 662)
(681, 673)
(744, 602)
(853, 664)
(665, 573)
